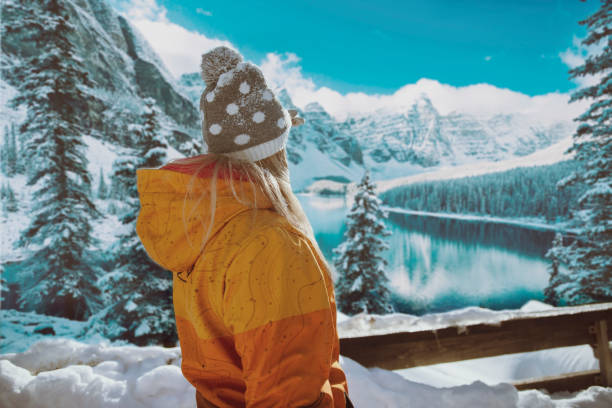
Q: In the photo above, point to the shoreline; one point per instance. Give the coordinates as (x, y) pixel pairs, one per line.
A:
(561, 227)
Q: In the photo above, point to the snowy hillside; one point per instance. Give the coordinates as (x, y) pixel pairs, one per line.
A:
(122, 65)
(63, 372)
(552, 154)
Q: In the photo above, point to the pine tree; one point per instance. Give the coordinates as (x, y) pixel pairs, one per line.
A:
(11, 158)
(589, 257)
(19, 161)
(3, 159)
(140, 291)
(9, 202)
(362, 284)
(556, 279)
(9, 154)
(102, 188)
(58, 276)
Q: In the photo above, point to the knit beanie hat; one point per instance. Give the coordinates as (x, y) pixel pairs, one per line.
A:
(243, 118)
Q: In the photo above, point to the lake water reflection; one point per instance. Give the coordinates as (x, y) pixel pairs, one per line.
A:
(438, 264)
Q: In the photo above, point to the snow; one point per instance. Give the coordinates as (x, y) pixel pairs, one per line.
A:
(68, 373)
(100, 156)
(19, 330)
(142, 329)
(356, 284)
(302, 176)
(357, 325)
(7, 113)
(11, 224)
(552, 154)
(533, 223)
(326, 187)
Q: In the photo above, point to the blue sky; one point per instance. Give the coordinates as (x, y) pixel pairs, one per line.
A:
(378, 46)
(479, 57)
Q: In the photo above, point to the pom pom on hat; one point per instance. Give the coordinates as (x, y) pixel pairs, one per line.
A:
(218, 61)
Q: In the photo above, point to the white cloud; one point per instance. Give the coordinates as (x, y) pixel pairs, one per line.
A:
(487, 58)
(200, 10)
(576, 55)
(181, 51)
(478, 99)
(142, 9)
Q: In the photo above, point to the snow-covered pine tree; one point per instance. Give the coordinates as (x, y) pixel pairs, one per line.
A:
(102, 187)
(9, 151)
(4, 151)
(140, 292)
(362, 285)
(556, 278)
(19, 157)
(11, 158)
(57, 275)
(589, 257)
(9, 202)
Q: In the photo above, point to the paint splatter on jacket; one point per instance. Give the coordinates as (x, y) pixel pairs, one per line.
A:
(255, 309)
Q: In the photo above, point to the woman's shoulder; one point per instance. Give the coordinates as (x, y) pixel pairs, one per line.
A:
(264, 226)
(267, 222)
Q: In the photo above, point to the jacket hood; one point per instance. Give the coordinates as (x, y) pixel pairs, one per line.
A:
(175, 211)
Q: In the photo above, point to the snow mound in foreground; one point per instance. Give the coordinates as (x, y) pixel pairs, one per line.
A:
(66, 373)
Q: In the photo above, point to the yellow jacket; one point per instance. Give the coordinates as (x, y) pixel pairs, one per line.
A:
(255, 309)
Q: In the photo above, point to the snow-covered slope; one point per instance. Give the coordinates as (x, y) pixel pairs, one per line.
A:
(549, 155)
(121, 64)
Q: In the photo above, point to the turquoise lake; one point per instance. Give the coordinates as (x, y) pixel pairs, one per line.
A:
(439, 264)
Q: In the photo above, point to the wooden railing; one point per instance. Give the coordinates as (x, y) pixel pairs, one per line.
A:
(561, 327)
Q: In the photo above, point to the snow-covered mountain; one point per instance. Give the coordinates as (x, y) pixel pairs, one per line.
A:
(422, 136)
(399, 144)
(122, 65)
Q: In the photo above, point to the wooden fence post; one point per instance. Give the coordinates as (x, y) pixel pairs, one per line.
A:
(603, 353)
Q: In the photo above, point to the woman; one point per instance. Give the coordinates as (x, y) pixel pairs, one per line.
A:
(253, 297)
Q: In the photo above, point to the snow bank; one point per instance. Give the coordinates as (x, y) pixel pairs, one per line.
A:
(66, 373)
(376, 387)
(364, 324)
(490, 370)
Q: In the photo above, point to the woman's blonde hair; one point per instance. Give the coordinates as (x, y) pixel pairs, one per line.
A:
(270, 175)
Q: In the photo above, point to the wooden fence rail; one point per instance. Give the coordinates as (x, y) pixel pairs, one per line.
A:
(561, 327)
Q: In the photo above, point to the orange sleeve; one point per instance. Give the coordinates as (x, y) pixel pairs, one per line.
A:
(276, 305)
